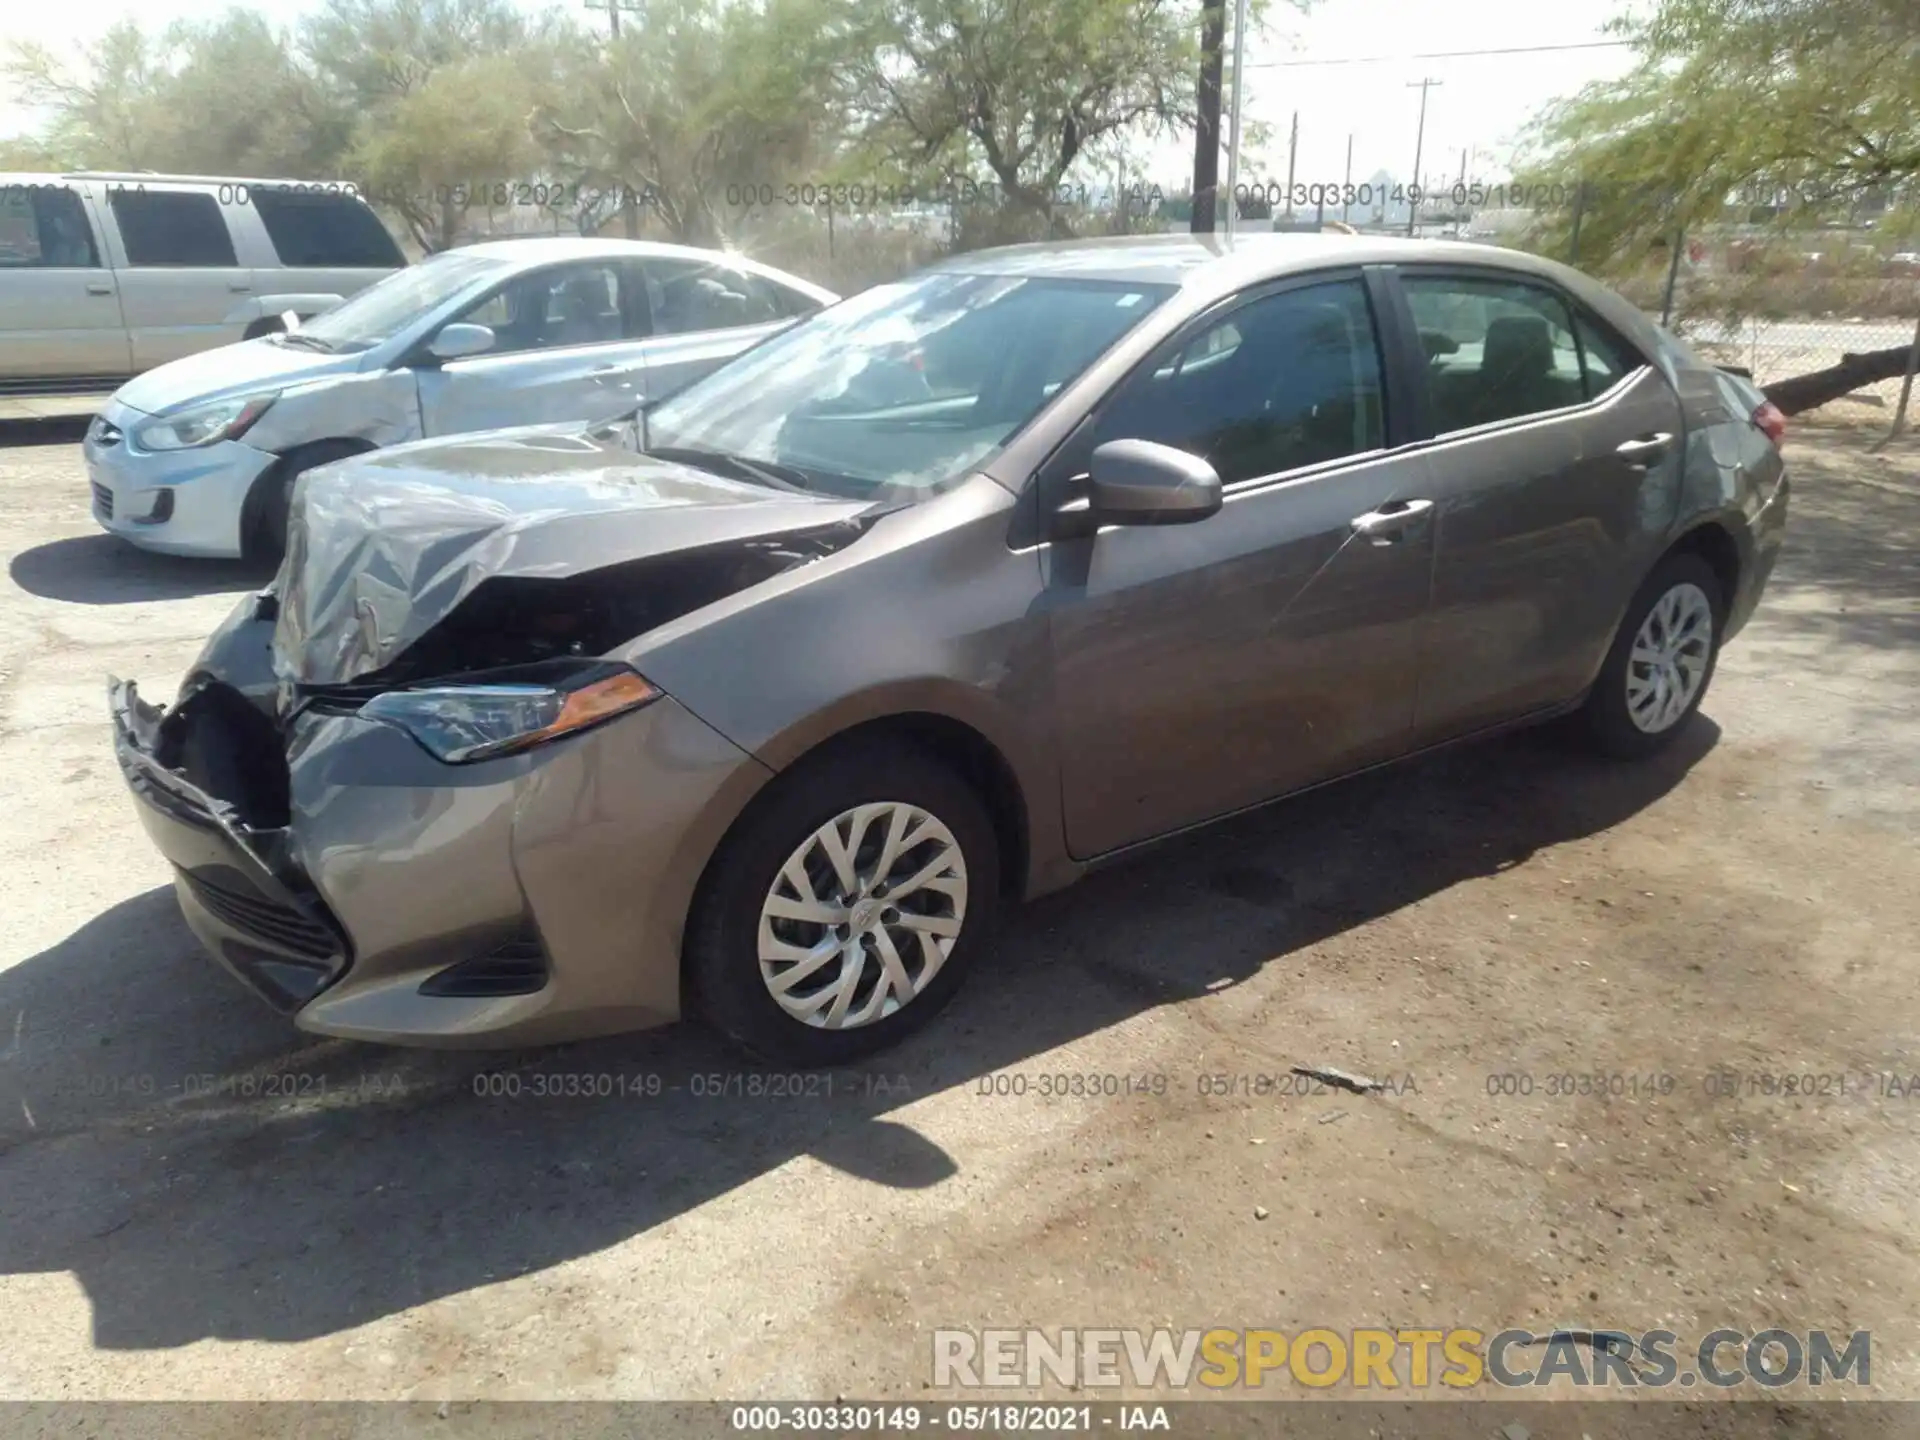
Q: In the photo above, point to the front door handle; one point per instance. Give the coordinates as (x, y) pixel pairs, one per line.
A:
(1644, 450)
(1386, 525)
(238, 287)
(99, 287)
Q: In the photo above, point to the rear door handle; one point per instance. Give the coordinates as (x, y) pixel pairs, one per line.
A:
(1643, 451)
(99, 287)
(238, 287)
(1391, 520)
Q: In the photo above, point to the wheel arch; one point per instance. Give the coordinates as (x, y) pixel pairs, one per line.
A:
(335, 447)
(1713, 540)
(961, 747)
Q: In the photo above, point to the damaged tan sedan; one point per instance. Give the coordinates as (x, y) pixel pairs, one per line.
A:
(762, 702)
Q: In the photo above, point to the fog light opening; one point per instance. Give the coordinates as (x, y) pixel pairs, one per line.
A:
(519, 967)
(159, 511)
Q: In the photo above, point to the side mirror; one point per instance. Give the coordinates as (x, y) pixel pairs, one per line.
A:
(1141, 482)
(458, 340)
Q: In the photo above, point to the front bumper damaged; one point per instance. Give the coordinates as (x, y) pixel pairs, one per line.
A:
(238, 890)
(382, 895)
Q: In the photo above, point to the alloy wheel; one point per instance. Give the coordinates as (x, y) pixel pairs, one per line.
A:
(1668, 662)
(862, 915)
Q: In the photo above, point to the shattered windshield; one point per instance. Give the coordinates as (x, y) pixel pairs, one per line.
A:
(904, 388)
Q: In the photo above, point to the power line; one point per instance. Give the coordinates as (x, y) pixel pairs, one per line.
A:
(1440, 55)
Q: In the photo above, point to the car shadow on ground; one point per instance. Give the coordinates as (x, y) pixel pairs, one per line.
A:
(106, 570)
(136, 1154)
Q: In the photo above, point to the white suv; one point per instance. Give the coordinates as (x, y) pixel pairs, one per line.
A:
(103, 276)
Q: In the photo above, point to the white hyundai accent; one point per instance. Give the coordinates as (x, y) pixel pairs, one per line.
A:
(199, 457)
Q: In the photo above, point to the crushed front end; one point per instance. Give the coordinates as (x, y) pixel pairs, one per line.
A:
(408, 794)
(213, 793)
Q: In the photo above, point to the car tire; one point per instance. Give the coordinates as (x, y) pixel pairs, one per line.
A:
(737, 950)
(263, 519)
(1637, 706)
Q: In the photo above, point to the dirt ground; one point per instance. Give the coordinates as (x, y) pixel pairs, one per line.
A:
(1507, 910)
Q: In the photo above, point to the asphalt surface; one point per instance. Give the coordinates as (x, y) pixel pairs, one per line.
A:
(201, 1203)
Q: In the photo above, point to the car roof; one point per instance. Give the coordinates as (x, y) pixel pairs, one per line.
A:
(545, 249)
(1188, 259)
(157, 177)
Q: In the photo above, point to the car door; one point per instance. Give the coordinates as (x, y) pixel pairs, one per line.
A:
(1556, 455)
(704, 313)
(59, 307)
(569, 346)
(179, 273)
(1202, 668)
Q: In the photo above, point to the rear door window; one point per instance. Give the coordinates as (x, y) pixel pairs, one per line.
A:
(324, 230)
(1496, 349)
(167, 227)
(687, 296)
(1604, 361)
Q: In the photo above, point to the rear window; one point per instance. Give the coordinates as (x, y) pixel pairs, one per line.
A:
(171, 228)
(325, 230)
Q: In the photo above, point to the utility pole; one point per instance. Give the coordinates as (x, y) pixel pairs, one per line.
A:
(613, 9)
(1239, 96)
(1206, 132)
(1346, 189)
(1419, 141)
(1293, 146)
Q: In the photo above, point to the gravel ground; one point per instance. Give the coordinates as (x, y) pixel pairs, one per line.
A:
(1506, 910)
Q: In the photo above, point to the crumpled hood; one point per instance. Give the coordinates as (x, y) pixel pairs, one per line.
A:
(231, 370)
(382, 547)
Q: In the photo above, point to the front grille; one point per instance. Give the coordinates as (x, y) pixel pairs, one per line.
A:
(102, 501)
(230, 898)
(518, 967)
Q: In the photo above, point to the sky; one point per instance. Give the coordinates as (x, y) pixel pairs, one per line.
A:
(1481, 104)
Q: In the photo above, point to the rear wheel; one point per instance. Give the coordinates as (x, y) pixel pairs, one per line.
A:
(263, 520)
(842, 913)
(1662, 660)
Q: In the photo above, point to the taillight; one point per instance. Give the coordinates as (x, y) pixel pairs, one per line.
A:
(1770, 418)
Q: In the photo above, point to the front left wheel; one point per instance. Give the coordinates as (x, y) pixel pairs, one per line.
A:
(843, 912)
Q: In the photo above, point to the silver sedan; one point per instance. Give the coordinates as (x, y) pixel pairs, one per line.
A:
(200, 456)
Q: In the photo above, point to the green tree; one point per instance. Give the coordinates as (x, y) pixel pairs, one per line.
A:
(443, 92)
(107, 114)
(222, 97)
(1734, 102)
(1014, 92)
(434, 155)
(694, 96)
(374, 52)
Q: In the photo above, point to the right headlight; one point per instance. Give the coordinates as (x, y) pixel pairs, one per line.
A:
(462, 723)
(203, 424)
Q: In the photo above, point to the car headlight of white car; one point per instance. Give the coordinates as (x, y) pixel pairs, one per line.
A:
(203, 424)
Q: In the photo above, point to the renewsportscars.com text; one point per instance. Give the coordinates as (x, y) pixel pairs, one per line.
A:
(1379, 1359)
